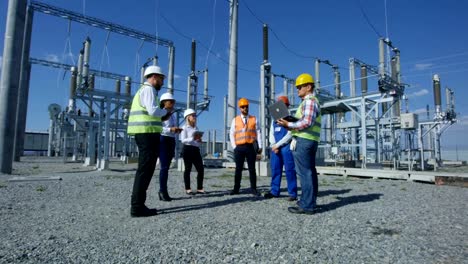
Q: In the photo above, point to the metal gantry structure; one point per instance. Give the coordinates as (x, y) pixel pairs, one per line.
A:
(368, 130)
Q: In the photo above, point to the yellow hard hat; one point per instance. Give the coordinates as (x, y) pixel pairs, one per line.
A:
(243, 102)
(304, 79)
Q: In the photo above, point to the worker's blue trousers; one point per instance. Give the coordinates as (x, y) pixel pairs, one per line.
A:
(284, 157)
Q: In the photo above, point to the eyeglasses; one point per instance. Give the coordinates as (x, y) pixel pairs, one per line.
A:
(244, 106)
(300, 87)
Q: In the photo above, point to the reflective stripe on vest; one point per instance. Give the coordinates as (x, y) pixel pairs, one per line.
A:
(312, 132)
(140, 121)
(245, 133)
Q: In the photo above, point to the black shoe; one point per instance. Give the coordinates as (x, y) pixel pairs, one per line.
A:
(143, 212)
(164, 196)
(292, 199)
(254, 192)
(269, 195)
(234, 192)
(299, 210)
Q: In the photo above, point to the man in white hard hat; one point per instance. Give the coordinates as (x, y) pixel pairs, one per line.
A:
(145, 122)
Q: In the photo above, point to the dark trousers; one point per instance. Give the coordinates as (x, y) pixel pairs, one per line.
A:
(148, 148)
(192, 156)
(166, 153)
(242, 152)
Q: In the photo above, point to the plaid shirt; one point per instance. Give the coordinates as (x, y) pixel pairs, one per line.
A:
(309, 114)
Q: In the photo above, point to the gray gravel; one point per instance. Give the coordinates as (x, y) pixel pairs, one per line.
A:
(85, 218)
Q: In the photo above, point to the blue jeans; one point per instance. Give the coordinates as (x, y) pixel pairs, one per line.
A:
(304, 158)
(283, 158)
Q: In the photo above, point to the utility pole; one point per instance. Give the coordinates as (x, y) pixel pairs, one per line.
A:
(9, 85)
(232, 80)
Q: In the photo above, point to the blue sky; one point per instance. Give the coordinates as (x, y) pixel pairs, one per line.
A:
(430, 34)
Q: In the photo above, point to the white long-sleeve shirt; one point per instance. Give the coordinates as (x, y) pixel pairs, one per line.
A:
(233, 129)
(171, 122)
(283, 141)
(147, 99)
(186, 136)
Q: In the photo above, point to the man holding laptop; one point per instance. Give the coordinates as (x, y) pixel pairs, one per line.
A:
(306, 135)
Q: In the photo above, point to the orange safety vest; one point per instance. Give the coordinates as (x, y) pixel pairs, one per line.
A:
(245, 133)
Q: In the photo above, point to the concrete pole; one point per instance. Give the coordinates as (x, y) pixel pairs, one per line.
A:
(317, 77)
(213, 151)
(170, 75)
(273, 89)
(285, 89)
(205, 85)
(23, 92)
(352, 94)
(381, 58)
(11, 68)
(226, 126)
(208, 144)
(292, 88)
(232, 79)
(51, 136)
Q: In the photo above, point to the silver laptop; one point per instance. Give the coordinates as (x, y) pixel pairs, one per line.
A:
(279, 110)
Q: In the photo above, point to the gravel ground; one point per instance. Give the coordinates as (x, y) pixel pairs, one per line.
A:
(85, 218)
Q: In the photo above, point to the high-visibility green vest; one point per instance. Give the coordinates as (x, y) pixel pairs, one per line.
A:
(312, 132)
(140, 121)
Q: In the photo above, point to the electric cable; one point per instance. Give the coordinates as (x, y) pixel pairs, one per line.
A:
(156, 6)
(213, 34)
(105, 52)
(368, 20)
(203, 45)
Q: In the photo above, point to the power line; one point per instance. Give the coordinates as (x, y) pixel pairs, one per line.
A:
(440, 57)
(276, 35)
(203, 45)
(367, 19)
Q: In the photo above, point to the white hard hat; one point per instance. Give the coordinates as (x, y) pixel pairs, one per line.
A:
(188, 112)
(153, 70)
(166, 96)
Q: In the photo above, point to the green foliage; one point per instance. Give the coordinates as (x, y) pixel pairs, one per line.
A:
(41, 188)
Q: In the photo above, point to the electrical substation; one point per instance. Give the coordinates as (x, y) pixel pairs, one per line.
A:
(365, 127)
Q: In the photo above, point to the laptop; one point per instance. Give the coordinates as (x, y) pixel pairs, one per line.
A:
(279, 110)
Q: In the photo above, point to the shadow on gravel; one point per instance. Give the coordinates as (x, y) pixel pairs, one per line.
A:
(333, 192)
(123, 170)
(76, 171)
(321, 193)
(209, 205)
(217, 194)
(343, 201)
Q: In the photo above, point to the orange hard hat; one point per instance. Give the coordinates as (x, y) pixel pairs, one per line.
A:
(243, 102)
(284, 99)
